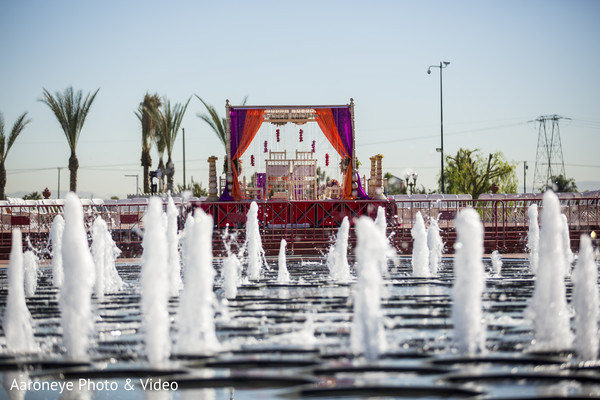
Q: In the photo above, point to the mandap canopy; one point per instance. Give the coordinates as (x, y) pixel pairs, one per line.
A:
(336, 123)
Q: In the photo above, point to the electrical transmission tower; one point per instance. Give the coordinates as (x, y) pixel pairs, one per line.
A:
(549, 157)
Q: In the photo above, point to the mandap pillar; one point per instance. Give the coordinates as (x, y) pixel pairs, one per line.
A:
(213, 192)
(379, 177)
(372, 178)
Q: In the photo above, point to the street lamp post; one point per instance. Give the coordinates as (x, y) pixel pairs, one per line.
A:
(443, 64)
(525, 168)
(136, 176)
(411, 181)
(184, 183)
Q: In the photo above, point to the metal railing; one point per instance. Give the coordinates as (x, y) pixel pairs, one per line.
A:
(309, 225)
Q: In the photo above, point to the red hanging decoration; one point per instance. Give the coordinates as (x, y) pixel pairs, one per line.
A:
(301, 132)
(314, 146)
(327, 159)
(266, 148)
(252, 160)
(277, 134)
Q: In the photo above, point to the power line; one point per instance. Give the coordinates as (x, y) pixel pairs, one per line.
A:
(448, 134)
(583, 165)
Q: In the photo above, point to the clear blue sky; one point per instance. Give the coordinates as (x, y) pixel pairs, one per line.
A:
(511, 61)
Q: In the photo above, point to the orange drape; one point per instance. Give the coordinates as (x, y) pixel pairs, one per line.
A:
(254, 119)
(327, 124)
(347, 186)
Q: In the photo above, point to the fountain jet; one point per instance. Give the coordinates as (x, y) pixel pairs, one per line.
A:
(586, 301)
(435, 245)
(283, 276)
(337, 258)
(496, 262)
(30, 268)
(566, 244)
(368, 334)
(420, 254)
(77, 287)
(104, 253)
(380, 220)
(154, 283)
(533, 238)
(174, 265)
(548, 309)
(256, 254)
(195, 320)
(232, 269)
(17, 321)
(469, 329)
(56, 233)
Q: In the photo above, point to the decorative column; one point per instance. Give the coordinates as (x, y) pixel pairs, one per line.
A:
(372, 178)
(353, 160)
(213, 193)
(229, 155)
(379, 177)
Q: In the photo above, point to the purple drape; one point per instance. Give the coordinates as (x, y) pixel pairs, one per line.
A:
(225, 196)
(343, 123)
(237, 121)
(360, 191)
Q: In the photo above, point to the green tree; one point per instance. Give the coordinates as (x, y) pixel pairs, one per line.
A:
(217, 124)
(196, 189)
(32, 196)
(170, 123)
(562, 184)
(5, 146)
(322, 177)
(71, 110)
(472, 173)
(148, 114)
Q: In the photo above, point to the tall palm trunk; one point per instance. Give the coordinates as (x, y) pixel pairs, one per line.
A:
(146, 163)
(170, 171)
(161, 179)
(2, 180)
(73, 166)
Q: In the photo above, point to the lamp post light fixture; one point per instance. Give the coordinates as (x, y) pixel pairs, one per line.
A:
(411, 180)
(525, 168)
(443, 64)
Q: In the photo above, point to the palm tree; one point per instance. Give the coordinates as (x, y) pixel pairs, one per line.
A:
(171, 121)
(148, 114)
(217, 123)
(5, 147)
(71, 113)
